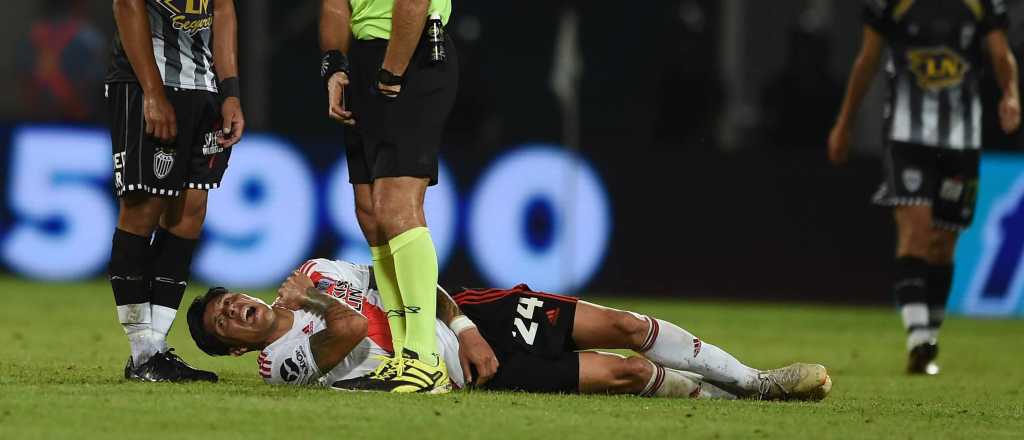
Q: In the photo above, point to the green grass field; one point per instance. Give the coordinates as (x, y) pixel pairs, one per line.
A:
(62, 353)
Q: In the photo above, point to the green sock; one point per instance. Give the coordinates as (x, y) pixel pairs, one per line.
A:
(416, 270)
(387, 285)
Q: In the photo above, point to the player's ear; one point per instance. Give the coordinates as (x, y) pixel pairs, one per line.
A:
(238, 351)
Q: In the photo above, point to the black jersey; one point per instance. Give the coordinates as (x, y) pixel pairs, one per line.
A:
(182, 33)
(936, 58)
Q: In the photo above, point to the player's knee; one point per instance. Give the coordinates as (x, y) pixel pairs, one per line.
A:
(189, 221)
(140, 213)
(633, 373)
(942, 247)
(633, 328)
(915, 240)
(395, 215)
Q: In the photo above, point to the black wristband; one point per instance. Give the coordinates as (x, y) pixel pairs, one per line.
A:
(230, 88)
(332, 61)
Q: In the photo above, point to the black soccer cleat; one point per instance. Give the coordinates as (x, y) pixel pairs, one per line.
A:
(921, 359)
(166, 367)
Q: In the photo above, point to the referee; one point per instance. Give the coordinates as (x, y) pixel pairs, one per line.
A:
(394, 98)
(933, 139)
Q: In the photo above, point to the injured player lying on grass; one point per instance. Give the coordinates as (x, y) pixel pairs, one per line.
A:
(327, 328)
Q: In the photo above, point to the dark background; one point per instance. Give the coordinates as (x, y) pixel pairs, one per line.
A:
(706, 119)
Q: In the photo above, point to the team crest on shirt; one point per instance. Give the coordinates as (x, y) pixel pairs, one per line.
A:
(912, 179)
(191, 16)
(937, 68)
(163, 163)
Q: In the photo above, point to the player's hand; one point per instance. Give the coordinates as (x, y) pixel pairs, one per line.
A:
(161, 123)
(234, 122)
(475, 352)
(1009, 113)
(839, 144)
(292, 293)
(336, 99)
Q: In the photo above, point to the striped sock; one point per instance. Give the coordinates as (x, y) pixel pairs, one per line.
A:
(669, 345)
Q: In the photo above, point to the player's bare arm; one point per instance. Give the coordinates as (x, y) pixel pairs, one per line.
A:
(1005, 66)
(407, 21)
(345, 327)
(336, 35)
(133, 26)
(225, 57)
(864, 70)
(474, 351)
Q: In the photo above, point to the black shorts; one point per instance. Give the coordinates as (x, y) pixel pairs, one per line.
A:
(531, 334)
(143, 163)
(397, 137)
(946, 180)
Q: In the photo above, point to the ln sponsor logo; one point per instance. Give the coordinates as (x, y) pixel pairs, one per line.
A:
(912, 179)
(163, 163)
(191, 16)
(937, 68)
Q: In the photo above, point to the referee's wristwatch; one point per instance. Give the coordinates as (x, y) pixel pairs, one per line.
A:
(384, 77)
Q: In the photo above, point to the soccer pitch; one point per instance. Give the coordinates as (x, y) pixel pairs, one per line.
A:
(62, 353)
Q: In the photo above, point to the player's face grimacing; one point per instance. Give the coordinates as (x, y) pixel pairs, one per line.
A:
(238, 319)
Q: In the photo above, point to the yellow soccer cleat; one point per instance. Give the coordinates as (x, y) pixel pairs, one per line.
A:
(795, 382)
(408, 375)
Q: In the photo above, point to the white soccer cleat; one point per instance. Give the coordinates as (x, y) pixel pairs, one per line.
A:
(795, 382)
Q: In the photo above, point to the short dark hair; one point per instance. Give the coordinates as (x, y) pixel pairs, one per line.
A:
(206, 341)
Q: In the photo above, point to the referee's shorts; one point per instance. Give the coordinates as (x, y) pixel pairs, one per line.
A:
(400, 136)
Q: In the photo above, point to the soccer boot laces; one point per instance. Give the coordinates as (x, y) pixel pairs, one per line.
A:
(411, 376)
(795, 382)
(921, 359)
(375, 380)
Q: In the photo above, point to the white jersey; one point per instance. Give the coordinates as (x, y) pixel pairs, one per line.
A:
(289, 359)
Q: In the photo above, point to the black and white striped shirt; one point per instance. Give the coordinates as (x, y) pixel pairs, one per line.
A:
(935, 62)
(182, 43)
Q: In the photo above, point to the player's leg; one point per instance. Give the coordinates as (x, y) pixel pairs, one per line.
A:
(398, 205)
(910, 173)
(130, 249)
(668, 345)
(137, 163)
(940, 277)
(607, 373)
(198, 166)
(383, 263)
(599, 327)
(174, 245)
(953, 210)
(910, 285)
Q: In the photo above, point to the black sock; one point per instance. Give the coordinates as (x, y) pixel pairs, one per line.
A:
(171, 266)
(940, 281)
(910, 286)
(127, 268)
(911, 280)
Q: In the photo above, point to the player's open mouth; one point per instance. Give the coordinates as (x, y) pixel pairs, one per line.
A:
(250, 312)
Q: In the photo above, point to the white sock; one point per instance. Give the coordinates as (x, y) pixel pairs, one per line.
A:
(666, 382)
(936, 316)
(163, 317)
(915, 322)
(137, 321)
(672, 347)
